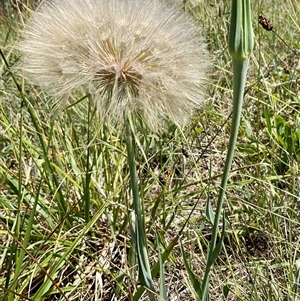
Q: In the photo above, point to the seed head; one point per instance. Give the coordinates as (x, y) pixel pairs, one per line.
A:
(144, 56)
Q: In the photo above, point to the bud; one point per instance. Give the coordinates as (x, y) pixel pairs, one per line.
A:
(240, 39)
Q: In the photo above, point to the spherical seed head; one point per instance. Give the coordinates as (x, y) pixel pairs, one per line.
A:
(143, 56)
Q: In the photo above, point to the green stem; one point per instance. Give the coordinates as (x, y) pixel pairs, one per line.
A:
(240, 45)
(86, 196)
(240, 68)
(239, 78)
(139, 229)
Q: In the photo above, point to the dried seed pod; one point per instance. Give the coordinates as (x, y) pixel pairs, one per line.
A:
(265, 23)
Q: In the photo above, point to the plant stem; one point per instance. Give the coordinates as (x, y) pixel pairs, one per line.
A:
(139, 238)
(240, 45)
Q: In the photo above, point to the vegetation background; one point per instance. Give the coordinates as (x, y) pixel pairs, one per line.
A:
(50, 165)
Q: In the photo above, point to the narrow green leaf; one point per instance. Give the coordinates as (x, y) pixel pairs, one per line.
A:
(162, 280)
(139, 238)
(143, 260)
(226, 289)
(209, 213)
(193, 278)
(156, 267)
(268, 119)
(215, 253)
(46, 286)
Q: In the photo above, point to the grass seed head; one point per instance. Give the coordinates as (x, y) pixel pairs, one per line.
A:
(144, 56)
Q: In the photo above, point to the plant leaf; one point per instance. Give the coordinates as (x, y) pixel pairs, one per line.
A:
(193, 278)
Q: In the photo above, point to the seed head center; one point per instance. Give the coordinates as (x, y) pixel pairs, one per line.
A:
(126, 75)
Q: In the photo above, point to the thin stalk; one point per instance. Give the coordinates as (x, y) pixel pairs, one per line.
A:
(139, 238)
(18, 256)
(239, 74)
(239, 78)
(240, 44)
(86, 196)
(56, 188)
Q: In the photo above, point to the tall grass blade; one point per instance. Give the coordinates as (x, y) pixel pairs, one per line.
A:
(46, 286)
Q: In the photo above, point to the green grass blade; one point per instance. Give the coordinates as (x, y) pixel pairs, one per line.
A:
(162, 280)
(49, 282)
(193, 278)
